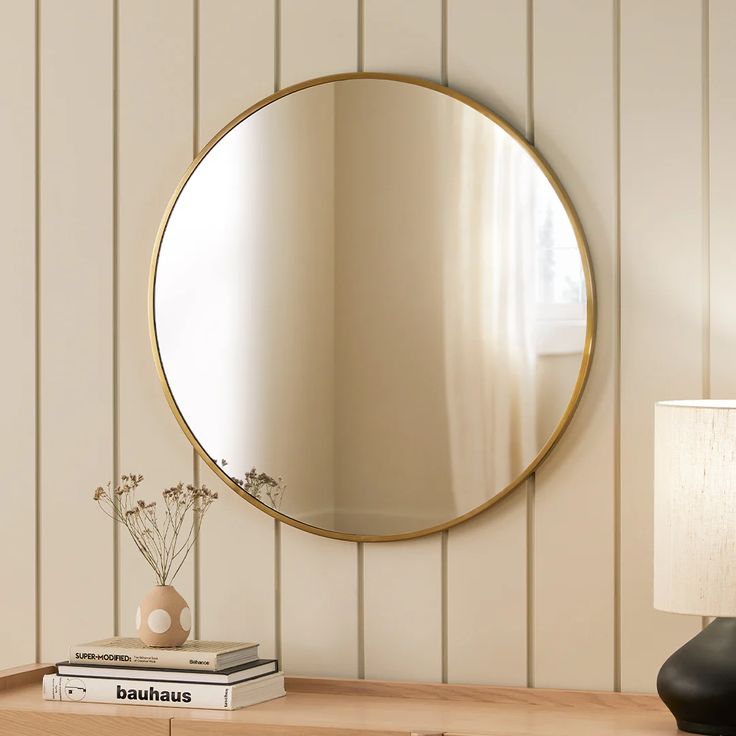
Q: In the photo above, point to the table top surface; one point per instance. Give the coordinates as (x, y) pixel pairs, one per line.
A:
(401, 708)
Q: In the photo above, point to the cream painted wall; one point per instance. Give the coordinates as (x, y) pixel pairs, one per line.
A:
(104, 104)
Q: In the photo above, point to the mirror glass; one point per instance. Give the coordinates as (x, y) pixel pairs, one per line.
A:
(372, 290)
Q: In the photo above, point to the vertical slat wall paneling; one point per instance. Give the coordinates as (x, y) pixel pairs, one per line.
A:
(17, 322)
(236, 60)
(317, 38)
(403, 610)
(575, 130)
(722, 162)
(155, 129)
(665, 310)
(661, 290)
(487, 55)
(76, 344)
(403, 580)
(405, 37)
(319, 583)
(487, 597)
(319, 594)
(486, 557)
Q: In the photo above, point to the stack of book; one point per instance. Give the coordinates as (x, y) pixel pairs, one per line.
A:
(199, 674)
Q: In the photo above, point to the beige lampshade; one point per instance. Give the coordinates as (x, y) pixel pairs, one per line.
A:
(695, 507)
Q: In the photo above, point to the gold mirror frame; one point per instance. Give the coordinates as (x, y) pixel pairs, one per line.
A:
(589, 290)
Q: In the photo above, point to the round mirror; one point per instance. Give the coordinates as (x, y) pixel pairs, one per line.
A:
(371, 306)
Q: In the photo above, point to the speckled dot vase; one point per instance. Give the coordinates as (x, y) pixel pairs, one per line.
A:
(163, 618)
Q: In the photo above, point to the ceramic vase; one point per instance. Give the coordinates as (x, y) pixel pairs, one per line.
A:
(163, 618)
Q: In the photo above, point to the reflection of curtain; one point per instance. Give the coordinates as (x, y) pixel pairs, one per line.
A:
(490, 347)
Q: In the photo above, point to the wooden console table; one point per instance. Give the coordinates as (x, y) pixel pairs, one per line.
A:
(324, 707)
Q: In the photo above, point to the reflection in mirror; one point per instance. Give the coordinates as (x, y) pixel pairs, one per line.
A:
(370, 289)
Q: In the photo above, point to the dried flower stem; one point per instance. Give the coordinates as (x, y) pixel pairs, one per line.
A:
(166, 545)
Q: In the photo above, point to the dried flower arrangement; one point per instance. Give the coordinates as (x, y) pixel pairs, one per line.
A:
(164, 542)
(269, 491)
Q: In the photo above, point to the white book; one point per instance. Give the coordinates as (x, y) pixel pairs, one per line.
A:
(154, 692)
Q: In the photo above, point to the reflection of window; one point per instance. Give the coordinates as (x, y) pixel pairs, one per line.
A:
(560, 279)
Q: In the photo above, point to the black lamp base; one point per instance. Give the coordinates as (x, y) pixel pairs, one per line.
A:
(705, 728)
(698, 682)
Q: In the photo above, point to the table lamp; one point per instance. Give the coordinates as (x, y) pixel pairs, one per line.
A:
(695, 557)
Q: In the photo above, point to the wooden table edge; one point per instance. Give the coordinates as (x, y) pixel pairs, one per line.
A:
(24, 675)
(30, 673)
(181, 722)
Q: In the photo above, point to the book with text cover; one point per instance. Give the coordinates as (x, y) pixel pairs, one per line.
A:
(210, 656)
(154, 692)
(230, 676)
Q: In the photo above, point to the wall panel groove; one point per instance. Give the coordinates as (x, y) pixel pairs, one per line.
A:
(37, 318)
(115, 307)
(529, 120)
(361, 610)
(530, 485)
(706, 305)
(617, 350)
(705, 159)
(278, 600)
(530, 532)
(361, 36)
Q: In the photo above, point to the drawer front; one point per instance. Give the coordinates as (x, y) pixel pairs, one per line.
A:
(27, 723)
